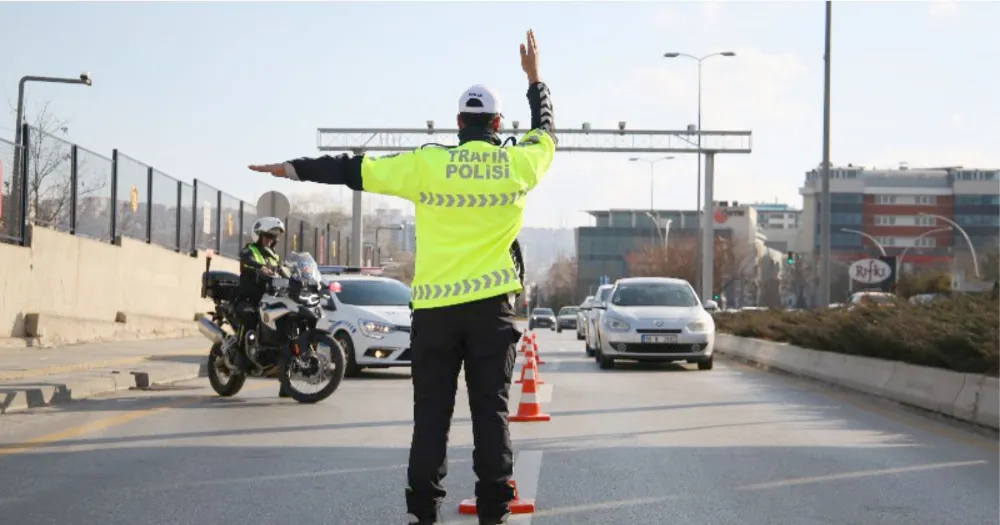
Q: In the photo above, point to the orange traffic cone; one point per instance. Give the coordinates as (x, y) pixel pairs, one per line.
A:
(534, 346)
(530, 370)
(517, 506)
(529, 408)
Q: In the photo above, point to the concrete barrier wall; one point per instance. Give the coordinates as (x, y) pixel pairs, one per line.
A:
(969, 397)
(71, 289)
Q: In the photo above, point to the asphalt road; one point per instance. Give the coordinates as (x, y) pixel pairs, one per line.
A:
(636, 445)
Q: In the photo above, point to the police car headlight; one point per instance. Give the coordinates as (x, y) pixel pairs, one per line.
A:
(374, 329)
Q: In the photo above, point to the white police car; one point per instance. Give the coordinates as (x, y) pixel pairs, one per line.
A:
(369, 315)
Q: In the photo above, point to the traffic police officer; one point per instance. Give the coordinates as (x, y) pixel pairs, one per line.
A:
(470, 208)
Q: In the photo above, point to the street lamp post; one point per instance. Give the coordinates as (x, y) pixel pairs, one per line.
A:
(700, 60)
(706, 211)
(922, 235)
(866, 236)
(652, 164)
(972, 249)
(16, 189)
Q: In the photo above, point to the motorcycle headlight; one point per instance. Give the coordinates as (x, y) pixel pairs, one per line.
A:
(698, 326)
(375, 329)
(615, 325)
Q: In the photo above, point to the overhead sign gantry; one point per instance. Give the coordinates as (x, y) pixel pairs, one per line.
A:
(583, 140)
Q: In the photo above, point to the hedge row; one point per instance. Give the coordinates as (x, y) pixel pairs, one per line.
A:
(959, 333)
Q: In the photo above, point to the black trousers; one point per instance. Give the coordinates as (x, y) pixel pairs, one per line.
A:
(483, 336)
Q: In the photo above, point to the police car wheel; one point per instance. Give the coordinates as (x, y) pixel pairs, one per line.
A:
(352, 369)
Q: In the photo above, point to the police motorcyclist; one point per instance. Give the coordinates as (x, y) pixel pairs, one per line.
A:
(258, 263)
(470, 201)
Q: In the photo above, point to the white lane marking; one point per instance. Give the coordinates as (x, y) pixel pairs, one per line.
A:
(859, 474)
(527, 470)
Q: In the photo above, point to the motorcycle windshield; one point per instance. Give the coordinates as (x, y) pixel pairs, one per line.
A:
(305, 269)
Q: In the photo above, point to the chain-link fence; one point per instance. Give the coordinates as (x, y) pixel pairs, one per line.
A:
(73, 189)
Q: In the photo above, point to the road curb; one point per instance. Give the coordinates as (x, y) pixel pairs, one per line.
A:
(970, 398)
(47, 391)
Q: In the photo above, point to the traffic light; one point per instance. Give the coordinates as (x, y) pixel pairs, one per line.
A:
(715, 297)
(790, 258)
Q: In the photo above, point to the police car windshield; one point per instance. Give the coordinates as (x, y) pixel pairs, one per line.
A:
(654, 294)
(373, 293)
(604, 294)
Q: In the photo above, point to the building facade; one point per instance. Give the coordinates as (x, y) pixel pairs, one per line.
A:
(780, 223)
(905, 211)
(603, 249)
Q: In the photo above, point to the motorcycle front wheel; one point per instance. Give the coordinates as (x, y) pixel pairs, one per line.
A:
(224, 381)
(325, 365)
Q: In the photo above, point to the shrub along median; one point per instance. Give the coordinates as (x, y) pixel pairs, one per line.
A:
(960, 333)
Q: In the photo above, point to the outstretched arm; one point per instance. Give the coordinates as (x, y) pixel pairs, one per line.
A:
(395, 175)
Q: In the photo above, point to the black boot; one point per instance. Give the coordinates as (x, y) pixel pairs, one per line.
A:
(283, 392)
(420, 512)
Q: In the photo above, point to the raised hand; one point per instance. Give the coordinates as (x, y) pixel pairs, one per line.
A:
(529, 58)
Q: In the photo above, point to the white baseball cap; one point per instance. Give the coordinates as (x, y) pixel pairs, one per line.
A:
(480, 99)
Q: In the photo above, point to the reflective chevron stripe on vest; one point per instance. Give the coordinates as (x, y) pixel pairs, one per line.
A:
(470, 200)
(465, 286)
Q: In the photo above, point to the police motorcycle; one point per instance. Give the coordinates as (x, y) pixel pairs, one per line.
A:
(286, 344)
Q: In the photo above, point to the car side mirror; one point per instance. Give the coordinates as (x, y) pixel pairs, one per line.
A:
(711, 306)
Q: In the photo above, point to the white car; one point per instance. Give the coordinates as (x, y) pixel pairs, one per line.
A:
(656, 319)
(594, 317)
(370, 316)
(581, 318)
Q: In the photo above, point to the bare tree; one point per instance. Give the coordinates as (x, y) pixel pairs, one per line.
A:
(401, 267)
(49, 168)
(560, 282)
(679, 260)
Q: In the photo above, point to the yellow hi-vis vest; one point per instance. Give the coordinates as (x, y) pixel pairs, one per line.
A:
(469, 209)
(270, 259)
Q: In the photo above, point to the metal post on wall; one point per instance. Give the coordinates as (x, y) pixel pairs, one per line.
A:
(240, 243)
(316, 238)
(149, 205)
(218, 222)
(338, 246)
(301, 240)
(194, 219)
(73, 187)
(25, 161)
(180, 216)
(114, 196)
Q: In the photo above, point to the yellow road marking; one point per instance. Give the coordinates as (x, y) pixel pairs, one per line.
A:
(61, 369)
(104, 424)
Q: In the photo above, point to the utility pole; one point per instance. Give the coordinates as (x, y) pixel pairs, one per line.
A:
(825, 215)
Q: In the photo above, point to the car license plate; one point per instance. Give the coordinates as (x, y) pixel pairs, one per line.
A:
(659, 339)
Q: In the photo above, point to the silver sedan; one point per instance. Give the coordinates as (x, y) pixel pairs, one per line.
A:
(655, 319)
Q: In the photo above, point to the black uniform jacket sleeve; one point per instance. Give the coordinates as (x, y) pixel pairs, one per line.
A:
(542, 111)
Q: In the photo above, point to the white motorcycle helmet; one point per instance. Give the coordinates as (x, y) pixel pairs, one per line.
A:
(267, 226)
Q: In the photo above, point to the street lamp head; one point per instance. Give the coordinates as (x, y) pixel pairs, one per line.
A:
(671, 55)
(634, 159)
(85, 78)
(728, 54)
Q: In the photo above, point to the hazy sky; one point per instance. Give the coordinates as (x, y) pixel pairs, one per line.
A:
(199, 90)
